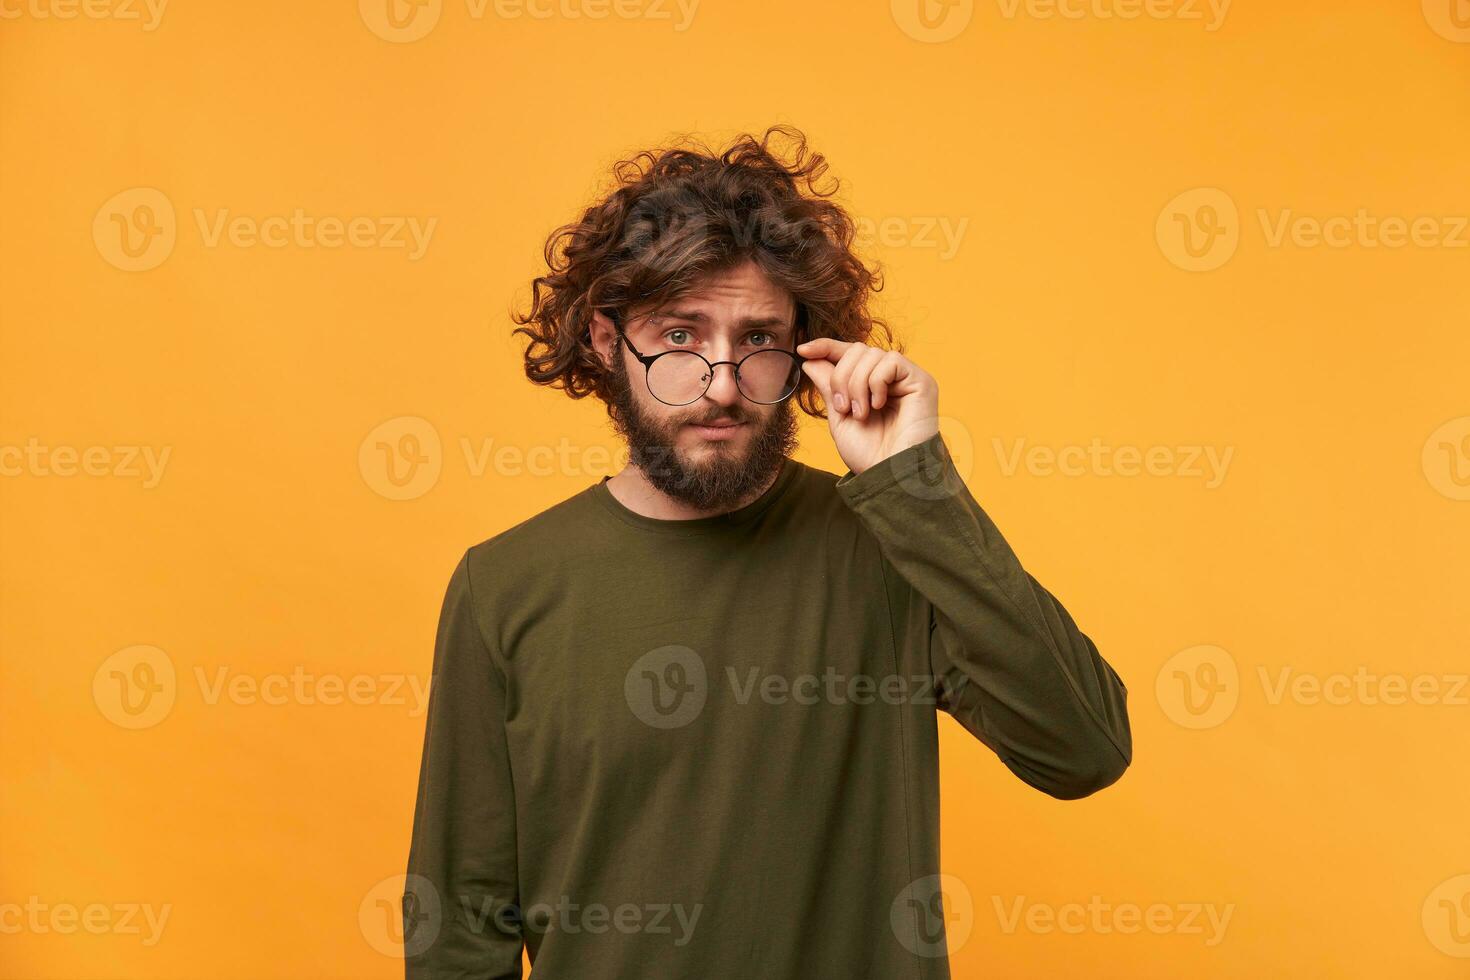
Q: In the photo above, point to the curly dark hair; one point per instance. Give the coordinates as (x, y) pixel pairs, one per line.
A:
(675, 216)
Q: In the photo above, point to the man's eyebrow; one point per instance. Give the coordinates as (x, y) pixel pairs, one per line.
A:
(699, 316)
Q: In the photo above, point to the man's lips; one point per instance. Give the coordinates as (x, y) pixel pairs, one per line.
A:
(720, 429)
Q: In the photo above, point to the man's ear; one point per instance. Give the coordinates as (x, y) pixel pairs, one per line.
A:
(603, 336)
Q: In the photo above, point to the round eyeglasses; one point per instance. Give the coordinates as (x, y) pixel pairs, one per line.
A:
(679, 377)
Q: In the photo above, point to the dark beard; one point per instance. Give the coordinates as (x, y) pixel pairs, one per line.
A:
(727, 481)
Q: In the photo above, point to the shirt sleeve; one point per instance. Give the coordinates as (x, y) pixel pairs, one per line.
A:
(460, 915)
(1008, 661)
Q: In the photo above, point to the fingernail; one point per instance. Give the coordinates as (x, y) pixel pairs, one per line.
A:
(839, 401)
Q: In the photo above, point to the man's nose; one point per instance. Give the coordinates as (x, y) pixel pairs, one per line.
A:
(722, 387)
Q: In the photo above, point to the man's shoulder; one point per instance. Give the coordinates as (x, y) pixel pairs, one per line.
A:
(550, 532)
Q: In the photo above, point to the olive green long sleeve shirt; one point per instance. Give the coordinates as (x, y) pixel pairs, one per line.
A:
(708, 748)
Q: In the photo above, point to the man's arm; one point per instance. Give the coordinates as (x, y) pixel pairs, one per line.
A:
(1011, 665)
(462, 858)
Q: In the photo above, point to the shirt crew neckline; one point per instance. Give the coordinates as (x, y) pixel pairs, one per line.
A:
(696, 525)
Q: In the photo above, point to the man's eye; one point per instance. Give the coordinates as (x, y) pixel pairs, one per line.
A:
(761, 333)
(673, 336)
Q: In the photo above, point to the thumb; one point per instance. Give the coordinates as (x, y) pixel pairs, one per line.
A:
(820, 371)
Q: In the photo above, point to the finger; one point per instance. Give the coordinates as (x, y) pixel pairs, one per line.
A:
(821, 374)
(886, 372)
(824, 348)
(842, 375)
(859, 385)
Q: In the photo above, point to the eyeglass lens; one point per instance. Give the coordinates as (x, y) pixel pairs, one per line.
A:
(680, 377)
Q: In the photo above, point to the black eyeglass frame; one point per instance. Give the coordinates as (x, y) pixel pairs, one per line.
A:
(647, 361)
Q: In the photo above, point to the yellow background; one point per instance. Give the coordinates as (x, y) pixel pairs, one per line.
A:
(1335, 543)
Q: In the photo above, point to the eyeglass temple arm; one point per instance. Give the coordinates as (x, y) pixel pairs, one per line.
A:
(643, 359)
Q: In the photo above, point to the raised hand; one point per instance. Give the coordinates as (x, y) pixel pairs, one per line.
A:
(878, 401)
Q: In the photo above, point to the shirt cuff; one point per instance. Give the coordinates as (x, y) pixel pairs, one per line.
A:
(923, 464)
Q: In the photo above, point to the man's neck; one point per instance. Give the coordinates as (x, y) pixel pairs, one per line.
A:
(632, 488)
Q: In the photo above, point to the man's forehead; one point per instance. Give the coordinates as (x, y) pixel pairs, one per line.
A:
(717, 307)
(759, 315)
